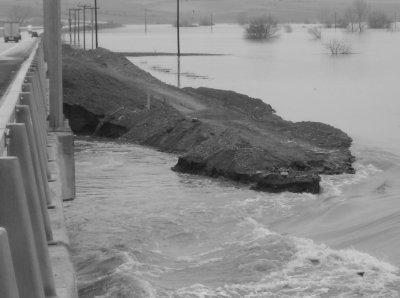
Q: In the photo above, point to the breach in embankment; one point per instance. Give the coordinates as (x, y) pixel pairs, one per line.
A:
(216, 132)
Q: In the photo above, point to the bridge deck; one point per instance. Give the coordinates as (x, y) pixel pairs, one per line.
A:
(11, 57)
(43, 180)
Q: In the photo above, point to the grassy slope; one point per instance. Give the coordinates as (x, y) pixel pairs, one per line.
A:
(163, 11)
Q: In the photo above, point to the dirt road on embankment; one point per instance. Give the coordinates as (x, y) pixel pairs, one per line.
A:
(216, 132)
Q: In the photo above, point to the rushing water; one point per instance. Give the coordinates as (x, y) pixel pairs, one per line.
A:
(139, 229)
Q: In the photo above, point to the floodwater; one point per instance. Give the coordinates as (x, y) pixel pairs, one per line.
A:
(140, 230)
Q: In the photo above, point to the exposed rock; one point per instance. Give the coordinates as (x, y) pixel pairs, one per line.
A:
(217, 132)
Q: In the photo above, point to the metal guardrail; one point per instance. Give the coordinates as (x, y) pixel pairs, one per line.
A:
(25, 269)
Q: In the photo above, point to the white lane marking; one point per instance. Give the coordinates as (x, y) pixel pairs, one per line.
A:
(8, 50)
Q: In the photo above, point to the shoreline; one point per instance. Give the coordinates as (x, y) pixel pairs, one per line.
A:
(216, 132)
(144, 54)
(100, 26)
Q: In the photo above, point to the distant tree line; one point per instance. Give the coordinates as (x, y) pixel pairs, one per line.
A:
(194, 21)
(357, 17)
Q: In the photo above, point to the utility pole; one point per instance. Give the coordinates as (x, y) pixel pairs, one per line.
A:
(45, 14)
(211, 22)
(54, 64)
(177, 28)
(79, 29)
(74, 10)
(148, 98)
(335, 19)
(395, 21)
(179, 72)
(70, 26)
(92, 24)
(84, 7)
(145, 20)
(95, 21)
(74, 26)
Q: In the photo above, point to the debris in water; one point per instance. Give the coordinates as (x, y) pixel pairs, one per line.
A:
(314, 261)
(361, 273)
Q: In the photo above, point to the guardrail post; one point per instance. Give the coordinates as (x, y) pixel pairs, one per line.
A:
(8, 284)
(23, 116)
(18, 146)
(26, 99)
(41, 70)
(14, 216)
(41, 93)
(27, 88)
(30, 85)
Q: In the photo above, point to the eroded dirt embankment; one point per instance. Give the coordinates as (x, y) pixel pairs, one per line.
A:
(216, 132)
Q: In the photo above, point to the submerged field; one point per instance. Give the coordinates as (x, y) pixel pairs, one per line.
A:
(294, 73)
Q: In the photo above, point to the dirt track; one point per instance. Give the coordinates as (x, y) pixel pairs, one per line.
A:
(219, 132)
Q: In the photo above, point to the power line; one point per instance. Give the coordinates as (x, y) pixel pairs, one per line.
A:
(84, 7)
(95, 21)
(75, 11)
(177, 28)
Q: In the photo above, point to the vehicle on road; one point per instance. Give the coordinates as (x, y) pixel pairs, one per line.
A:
(11, 31)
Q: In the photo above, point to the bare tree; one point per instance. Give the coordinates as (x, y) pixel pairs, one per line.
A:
(315, 32)
(184, 22)
(379, 20)
(206, 21)
(338, 47)
(361, 12)
(350, 18)
(242, 19)
(265, 27)
(288, 28)
(19, 13)
(326, 18)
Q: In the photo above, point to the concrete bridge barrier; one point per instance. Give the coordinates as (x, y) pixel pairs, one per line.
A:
(34, 259)
(15, 218)
(39, 131)
(8, 283)
(23, 116)
(19, 147)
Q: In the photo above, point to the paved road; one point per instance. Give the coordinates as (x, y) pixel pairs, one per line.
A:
(11, 56)
(12, 51)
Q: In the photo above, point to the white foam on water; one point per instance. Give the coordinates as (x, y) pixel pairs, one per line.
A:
(201, 291)
(131, 287)
(259, 230)
(334, 185)
(314, 271)
(223, 234)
